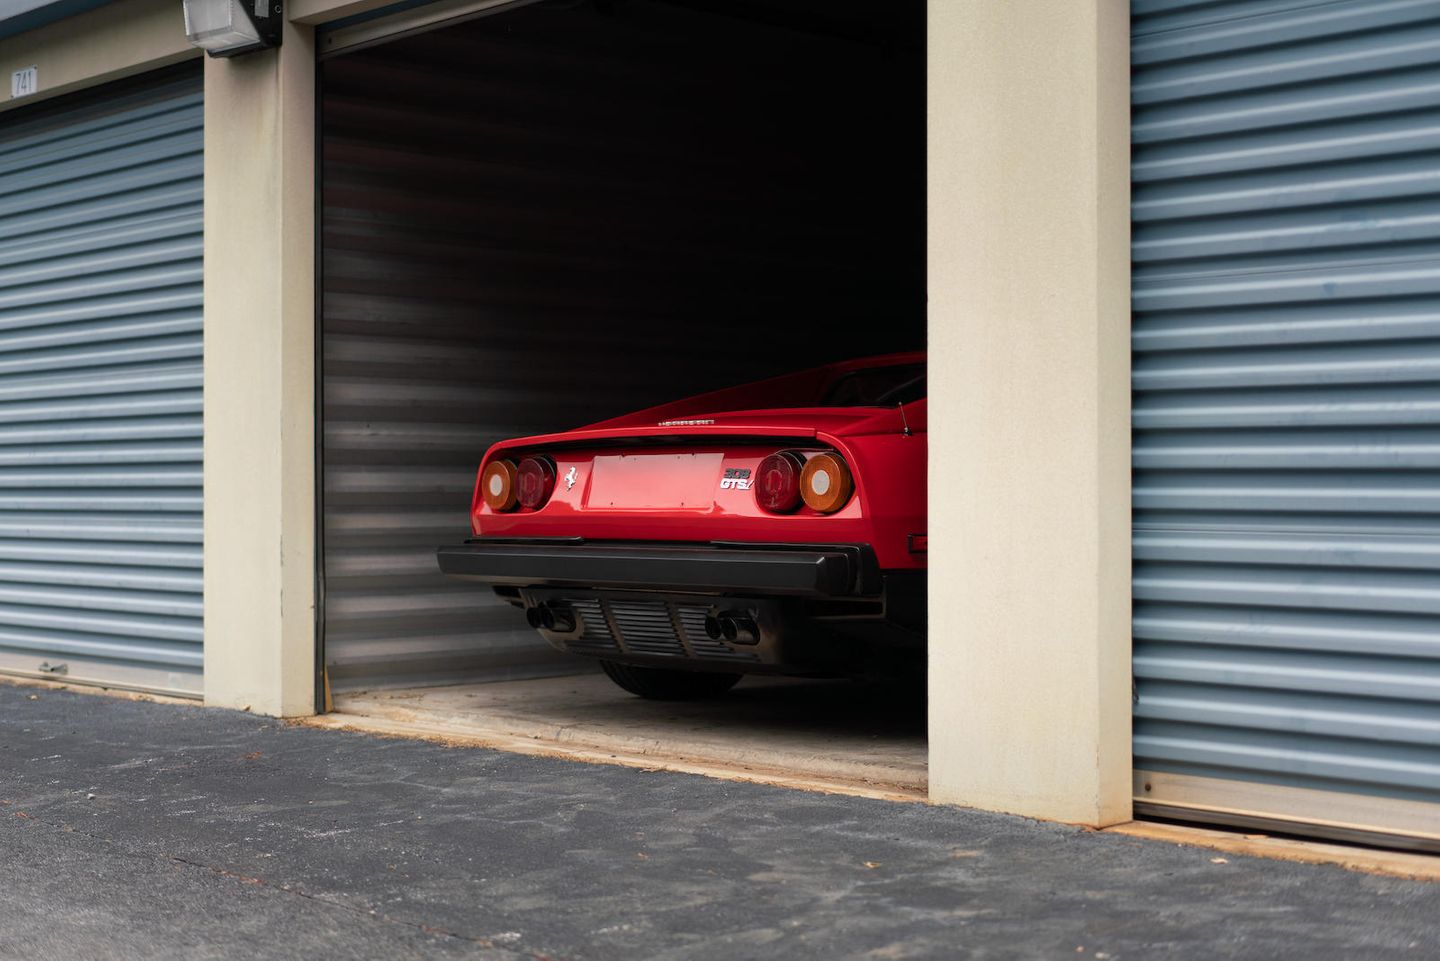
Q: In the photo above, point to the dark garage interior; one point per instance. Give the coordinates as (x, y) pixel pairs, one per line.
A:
(565, 211)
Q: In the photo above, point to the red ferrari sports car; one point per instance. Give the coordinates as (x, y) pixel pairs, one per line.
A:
(777, 527)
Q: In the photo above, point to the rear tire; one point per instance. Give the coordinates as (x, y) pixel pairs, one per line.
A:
(658, 684)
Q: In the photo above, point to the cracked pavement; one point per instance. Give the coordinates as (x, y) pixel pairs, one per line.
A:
(152, 831)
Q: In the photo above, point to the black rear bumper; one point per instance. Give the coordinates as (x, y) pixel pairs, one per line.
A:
(838, 570)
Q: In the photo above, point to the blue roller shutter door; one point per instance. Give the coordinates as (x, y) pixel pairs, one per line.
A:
(100, 387)
(1286, 246)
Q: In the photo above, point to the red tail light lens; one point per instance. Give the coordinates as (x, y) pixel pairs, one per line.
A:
(777, 482)
(825, 483)
(497, 485)
(535, 479)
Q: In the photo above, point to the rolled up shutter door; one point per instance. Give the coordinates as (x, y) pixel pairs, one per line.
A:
(1286, 246)
(100, 386)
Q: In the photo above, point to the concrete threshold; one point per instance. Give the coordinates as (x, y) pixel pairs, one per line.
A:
(830, 736)
(123, 693)
(1399, 864)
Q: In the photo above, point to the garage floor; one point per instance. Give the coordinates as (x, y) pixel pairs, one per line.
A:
(831, 735)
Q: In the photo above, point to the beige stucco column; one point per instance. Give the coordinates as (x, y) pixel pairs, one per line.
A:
(1029, 407)
(260, 378)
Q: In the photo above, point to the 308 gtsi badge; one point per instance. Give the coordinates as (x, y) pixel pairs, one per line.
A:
(736, 479)
(777, 527)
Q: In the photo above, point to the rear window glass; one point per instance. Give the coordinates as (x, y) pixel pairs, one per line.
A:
(877, 387)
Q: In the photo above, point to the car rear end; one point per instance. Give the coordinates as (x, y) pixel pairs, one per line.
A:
(753, 542)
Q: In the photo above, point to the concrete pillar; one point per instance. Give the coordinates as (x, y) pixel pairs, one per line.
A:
(1029, 407)
(260, 378)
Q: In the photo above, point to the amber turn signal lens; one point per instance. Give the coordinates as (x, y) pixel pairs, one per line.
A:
(497, 485)
(825, 483)
(535, 478)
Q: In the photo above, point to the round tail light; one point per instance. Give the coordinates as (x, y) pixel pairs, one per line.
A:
(777, 482)
(825, 483)
(497, 485)
(535, 479)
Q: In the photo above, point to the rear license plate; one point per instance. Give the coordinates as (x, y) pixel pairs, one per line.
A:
(640, 482)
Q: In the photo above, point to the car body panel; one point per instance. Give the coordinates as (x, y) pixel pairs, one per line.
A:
(884, 510)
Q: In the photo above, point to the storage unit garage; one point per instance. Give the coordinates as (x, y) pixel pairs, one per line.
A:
(499, 217)
(100, 386)
(556, 214)
(1286, 182)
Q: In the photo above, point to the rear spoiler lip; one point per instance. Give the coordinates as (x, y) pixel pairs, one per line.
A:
(652, 437)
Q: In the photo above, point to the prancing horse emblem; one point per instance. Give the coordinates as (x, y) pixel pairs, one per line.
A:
(570, 478)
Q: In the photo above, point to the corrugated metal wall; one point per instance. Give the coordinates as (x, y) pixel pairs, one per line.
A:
(1286, 239)
(558, 214)
(100, 366)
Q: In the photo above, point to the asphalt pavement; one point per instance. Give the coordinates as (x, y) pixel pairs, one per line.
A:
(150, 831)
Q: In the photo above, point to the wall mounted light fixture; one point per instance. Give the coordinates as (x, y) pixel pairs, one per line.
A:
(223, 28)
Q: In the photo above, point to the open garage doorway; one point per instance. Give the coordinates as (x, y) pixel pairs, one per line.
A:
(564, 211)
